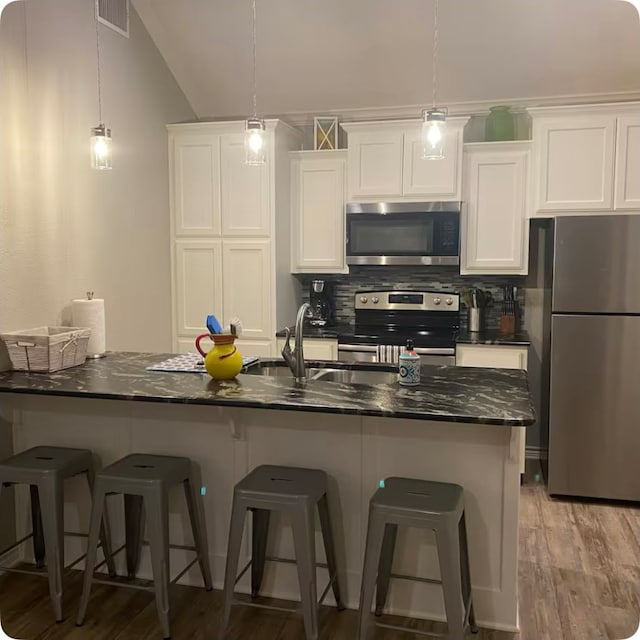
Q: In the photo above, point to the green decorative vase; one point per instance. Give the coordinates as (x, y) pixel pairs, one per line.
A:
(500, 125)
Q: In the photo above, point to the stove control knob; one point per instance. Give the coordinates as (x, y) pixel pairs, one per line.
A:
(437, 301)
(449, 301)
(375, 300)
(363, 299)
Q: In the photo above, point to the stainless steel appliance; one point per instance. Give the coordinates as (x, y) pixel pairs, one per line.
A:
(381, 233)
(594, 415)
(321, 300)
(385, 319)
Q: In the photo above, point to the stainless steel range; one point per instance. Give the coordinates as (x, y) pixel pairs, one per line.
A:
(386, 319)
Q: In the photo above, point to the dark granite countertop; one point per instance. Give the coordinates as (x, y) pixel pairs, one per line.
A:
(446, 393)
(518, 339)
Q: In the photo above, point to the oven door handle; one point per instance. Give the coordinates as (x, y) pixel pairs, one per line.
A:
(365, 348)
(435, 351)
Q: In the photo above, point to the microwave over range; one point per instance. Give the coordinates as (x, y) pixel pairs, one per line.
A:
(403, 233)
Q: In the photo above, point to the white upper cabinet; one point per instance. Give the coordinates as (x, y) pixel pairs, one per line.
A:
(627, 171)
(244, 191)
(494, 225)
(195, 188)
(383, 162)
(318, 189)
(586, 158)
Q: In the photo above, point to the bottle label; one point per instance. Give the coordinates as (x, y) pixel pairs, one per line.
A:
(409, 370)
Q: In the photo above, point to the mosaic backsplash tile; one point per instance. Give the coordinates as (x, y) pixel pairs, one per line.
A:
(427, 278)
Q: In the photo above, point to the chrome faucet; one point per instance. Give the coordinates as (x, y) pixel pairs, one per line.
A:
(295, 358)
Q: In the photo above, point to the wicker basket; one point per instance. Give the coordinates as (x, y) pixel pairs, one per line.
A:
(47, 348)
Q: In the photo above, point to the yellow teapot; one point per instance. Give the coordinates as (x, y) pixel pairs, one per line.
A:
(224, 361)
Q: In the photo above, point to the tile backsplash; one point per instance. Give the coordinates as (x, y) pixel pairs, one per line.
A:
(427, 278)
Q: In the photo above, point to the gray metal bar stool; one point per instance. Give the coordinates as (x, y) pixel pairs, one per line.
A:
(429, 505)
(297, 492)
(45, 469)
(143, 477)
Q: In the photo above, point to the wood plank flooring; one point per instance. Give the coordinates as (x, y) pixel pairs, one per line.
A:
(579, 580)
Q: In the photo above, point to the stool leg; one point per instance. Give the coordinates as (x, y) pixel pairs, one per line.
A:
(133, 527)
(305, 547)
(97, 507)
(51, 493)
(373, 546)
(384, 566)
(259, 533)
(36, 527)
(105, 530)
(157, 509)
(197, 528)
(233, 553)
(449, 557)
(330, 549)
(466, 577)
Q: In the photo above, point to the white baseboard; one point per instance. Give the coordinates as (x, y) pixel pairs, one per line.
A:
(11, 558)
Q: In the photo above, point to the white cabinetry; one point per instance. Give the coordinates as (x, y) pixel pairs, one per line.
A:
(494, 226)
(627, 170)
(230, 233)
(318, 189)
(384, 162)
(586, 158)
(315, 348)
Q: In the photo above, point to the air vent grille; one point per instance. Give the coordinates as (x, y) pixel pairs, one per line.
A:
(114, 14)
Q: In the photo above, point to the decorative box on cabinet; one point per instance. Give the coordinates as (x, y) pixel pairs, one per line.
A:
(318, 190)
(383, 161)
(230, 232)
(586, 158)
(315, 348)
(494, 234)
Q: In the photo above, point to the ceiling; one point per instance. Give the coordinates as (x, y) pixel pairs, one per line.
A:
(339, 56)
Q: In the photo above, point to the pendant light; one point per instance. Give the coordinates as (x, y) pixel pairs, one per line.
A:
(100, 135)
(255, 131)
(434, 120)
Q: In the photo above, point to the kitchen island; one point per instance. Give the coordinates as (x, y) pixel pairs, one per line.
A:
(458, 425)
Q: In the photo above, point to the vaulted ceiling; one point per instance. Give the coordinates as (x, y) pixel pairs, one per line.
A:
(317, 56)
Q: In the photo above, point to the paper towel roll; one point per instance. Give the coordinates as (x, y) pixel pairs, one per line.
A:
(90, 313)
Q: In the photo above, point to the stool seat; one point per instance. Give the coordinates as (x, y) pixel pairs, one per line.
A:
(419, 496)
(144, 470)
(274, 482)
(32, 464)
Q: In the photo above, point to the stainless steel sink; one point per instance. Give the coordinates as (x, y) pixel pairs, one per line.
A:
(330, 372)
(356, 376)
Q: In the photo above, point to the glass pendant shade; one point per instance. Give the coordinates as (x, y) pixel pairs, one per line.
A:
(434, 123)
(100, 148)
(254, 141)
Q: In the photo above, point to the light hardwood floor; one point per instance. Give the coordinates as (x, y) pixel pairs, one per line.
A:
(579, 580)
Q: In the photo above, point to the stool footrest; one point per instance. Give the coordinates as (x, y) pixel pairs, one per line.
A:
(400, 576)
(259, 605)
(397, 627)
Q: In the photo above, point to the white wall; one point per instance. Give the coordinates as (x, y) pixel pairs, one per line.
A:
(64, 228)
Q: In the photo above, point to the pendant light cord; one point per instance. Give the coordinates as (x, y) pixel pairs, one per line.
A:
(255, 108)
(99, 84)
(435, 51)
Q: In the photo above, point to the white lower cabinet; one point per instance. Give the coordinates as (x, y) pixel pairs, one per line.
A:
(495, 226)
(499, 357)
(260, 348)
(315, 348)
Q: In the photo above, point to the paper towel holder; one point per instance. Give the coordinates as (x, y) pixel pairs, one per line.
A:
(93, 356)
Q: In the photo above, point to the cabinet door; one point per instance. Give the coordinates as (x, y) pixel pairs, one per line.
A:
(494, 234)
(244, 191)
(574, 161)
(196, 184)
(317, 212)
(198, 286)
(247, 290)
(315, 348)
(432, 178)
(375, 164)
(500, 357)
(260, 348)
(627, 181)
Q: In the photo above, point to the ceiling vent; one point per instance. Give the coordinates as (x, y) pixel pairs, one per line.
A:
(114, 14)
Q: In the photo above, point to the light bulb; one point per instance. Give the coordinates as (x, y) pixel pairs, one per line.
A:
(100, 148)
(433, 130)
(254, 141)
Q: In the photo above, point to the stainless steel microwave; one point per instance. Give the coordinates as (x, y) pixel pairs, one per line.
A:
(403, 233)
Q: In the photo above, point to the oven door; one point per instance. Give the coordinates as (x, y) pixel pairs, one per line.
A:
(402, 237)
(369, 353)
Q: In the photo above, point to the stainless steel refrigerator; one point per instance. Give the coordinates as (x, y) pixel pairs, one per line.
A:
(594, 406)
